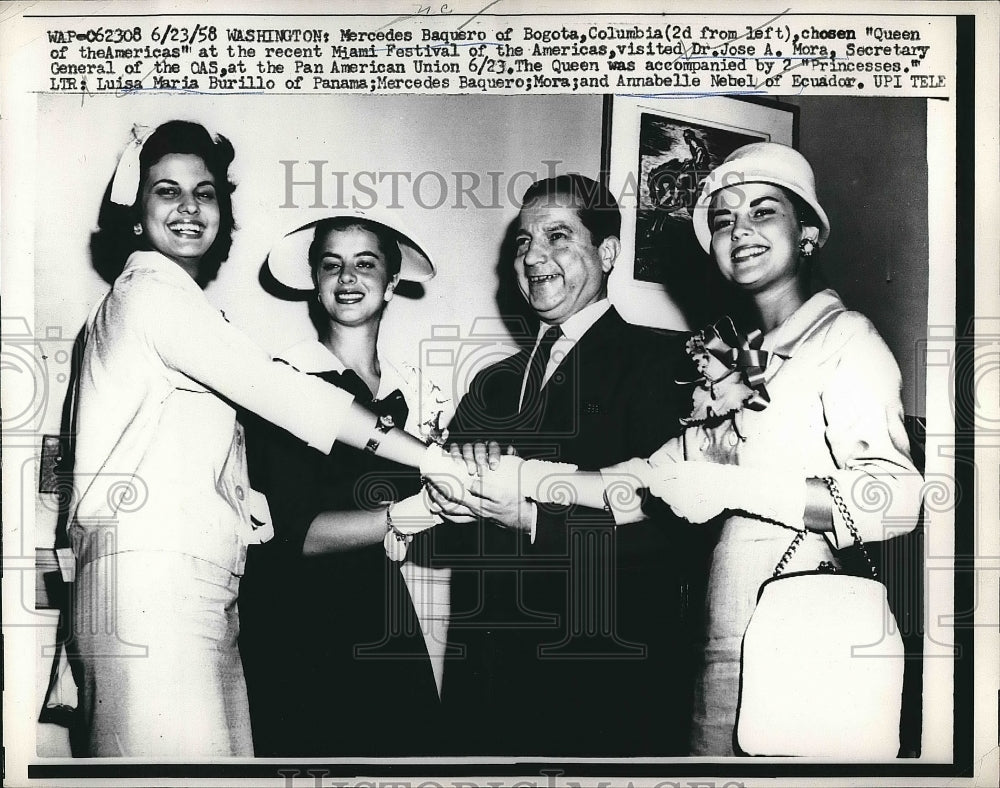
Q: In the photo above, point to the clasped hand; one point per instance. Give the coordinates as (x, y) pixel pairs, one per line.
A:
(503, 486)
(489, 489)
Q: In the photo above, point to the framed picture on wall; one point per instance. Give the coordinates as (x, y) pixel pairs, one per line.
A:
(656, 153)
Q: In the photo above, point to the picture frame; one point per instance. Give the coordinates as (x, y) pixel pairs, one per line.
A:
(656, 151)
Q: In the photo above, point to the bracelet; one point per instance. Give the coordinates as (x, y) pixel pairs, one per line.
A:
(383, 424)
(396, 543)
(607, 503)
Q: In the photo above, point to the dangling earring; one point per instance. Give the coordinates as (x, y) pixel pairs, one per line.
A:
(807, 246)
(137, 228)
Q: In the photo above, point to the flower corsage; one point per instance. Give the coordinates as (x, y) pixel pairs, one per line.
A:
(432, 403)
(731, 374)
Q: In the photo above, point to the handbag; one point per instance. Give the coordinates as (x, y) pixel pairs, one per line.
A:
(822, 663)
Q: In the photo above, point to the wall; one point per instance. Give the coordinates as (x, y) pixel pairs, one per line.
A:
(870, 160)
(869, 156)
(507, 143)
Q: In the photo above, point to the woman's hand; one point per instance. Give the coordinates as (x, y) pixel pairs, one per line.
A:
(494, 495)
(699, 491)
(692, 489)
(542, 481)
(414, 514)
(450, 476)
(442, 505)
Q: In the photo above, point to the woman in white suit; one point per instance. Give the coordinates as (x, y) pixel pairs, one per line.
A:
(164, 512)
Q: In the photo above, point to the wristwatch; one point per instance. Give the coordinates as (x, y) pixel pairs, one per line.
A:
(383, 424)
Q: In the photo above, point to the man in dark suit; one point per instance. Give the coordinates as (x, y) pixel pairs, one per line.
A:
(569, 626)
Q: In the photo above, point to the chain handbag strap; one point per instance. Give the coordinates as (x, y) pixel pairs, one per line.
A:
(838, 501)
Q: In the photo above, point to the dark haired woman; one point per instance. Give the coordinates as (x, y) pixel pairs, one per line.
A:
(164, 511)
(813, 394)
(370, 638)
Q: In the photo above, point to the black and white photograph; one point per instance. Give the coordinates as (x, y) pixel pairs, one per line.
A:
(391, 414)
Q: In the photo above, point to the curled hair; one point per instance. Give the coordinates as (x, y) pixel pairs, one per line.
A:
(114, 240)
(594, 203)
(388, 239)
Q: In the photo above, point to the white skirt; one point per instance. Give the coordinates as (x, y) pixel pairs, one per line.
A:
(155, 634)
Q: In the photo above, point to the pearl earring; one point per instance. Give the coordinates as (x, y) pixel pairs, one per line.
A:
(137, 228)
(807, 246)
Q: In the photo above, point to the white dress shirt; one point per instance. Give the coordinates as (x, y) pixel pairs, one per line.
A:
(573, 329)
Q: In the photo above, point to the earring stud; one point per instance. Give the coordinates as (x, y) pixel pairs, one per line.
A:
(807, 246)
(137, 228)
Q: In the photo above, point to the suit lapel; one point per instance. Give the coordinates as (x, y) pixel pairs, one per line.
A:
(577, 383)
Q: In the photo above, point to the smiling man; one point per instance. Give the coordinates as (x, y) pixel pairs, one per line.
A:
(569, 625)
(561, 264)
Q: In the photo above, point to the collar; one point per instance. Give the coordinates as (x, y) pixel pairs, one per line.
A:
(312, 356)
(163, 265)
(575, 326)
(803, 322)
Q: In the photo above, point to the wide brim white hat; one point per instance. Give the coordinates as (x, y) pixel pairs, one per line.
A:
(288, 260)
(760, 162)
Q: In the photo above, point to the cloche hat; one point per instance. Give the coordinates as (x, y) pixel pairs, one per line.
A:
(760, 162)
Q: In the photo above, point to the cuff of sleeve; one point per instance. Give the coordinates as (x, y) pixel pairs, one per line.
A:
(882, 505)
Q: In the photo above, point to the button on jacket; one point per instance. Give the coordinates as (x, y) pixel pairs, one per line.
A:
(160, 460)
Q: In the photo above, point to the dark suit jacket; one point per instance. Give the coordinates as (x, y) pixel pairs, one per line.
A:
(570, 643)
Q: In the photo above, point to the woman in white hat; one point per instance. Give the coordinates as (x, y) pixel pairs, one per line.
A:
(370, 642)
(813, 393)
(163, 512)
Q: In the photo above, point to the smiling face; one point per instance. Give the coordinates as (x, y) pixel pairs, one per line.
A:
(755, 236)
(180, 209)
(352, 277)
(559, 269)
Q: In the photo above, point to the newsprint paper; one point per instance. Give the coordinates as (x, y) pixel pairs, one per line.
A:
(446, 112)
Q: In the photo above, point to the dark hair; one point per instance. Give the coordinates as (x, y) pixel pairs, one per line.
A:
(388, 239)
(803, 211)
(114, 240)
(594, 204)
(805, 214)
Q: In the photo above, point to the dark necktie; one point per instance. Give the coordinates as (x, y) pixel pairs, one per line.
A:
(536, 369)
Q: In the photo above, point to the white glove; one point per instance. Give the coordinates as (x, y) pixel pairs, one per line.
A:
(698, 491)
(622, 483)
(450, 476)
(536, 480)
(413, 515)
(548, 482)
